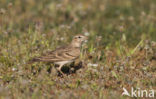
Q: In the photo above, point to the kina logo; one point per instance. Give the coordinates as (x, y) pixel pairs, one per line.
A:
(138, 93)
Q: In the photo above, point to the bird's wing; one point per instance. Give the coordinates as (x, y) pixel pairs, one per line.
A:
(60, 54)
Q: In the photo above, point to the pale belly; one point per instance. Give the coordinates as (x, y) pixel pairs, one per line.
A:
(63, 62)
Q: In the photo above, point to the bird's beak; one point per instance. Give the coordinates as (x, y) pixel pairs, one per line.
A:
(86, 39)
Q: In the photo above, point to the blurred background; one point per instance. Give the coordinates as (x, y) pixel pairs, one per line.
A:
(121, 50)
(110, 19)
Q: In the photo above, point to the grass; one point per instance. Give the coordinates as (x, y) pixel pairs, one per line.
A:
(121, 50)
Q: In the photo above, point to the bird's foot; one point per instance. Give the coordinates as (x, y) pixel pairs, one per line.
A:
(61, 73)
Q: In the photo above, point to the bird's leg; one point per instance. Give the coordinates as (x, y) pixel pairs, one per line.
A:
(59, 69)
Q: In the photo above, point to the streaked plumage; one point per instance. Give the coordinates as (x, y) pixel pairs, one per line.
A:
(64, 55)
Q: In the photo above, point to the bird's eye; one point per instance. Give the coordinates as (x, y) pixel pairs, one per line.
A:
(79, 37)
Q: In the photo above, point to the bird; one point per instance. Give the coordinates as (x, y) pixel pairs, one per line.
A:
(64, 54)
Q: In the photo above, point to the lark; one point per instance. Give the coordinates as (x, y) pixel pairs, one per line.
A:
(65, 54)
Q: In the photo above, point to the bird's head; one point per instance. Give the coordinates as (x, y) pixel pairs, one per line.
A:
(78, 40)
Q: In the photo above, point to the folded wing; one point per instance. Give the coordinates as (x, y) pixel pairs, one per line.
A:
(60, 54)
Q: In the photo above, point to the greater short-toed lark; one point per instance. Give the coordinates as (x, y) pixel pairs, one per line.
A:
(65, 54)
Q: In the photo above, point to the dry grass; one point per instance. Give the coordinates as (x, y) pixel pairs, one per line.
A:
(121, 50)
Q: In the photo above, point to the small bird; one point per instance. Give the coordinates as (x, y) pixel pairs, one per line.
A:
(63, 55)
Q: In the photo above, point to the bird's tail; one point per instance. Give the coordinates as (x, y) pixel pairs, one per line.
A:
(33, 60)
